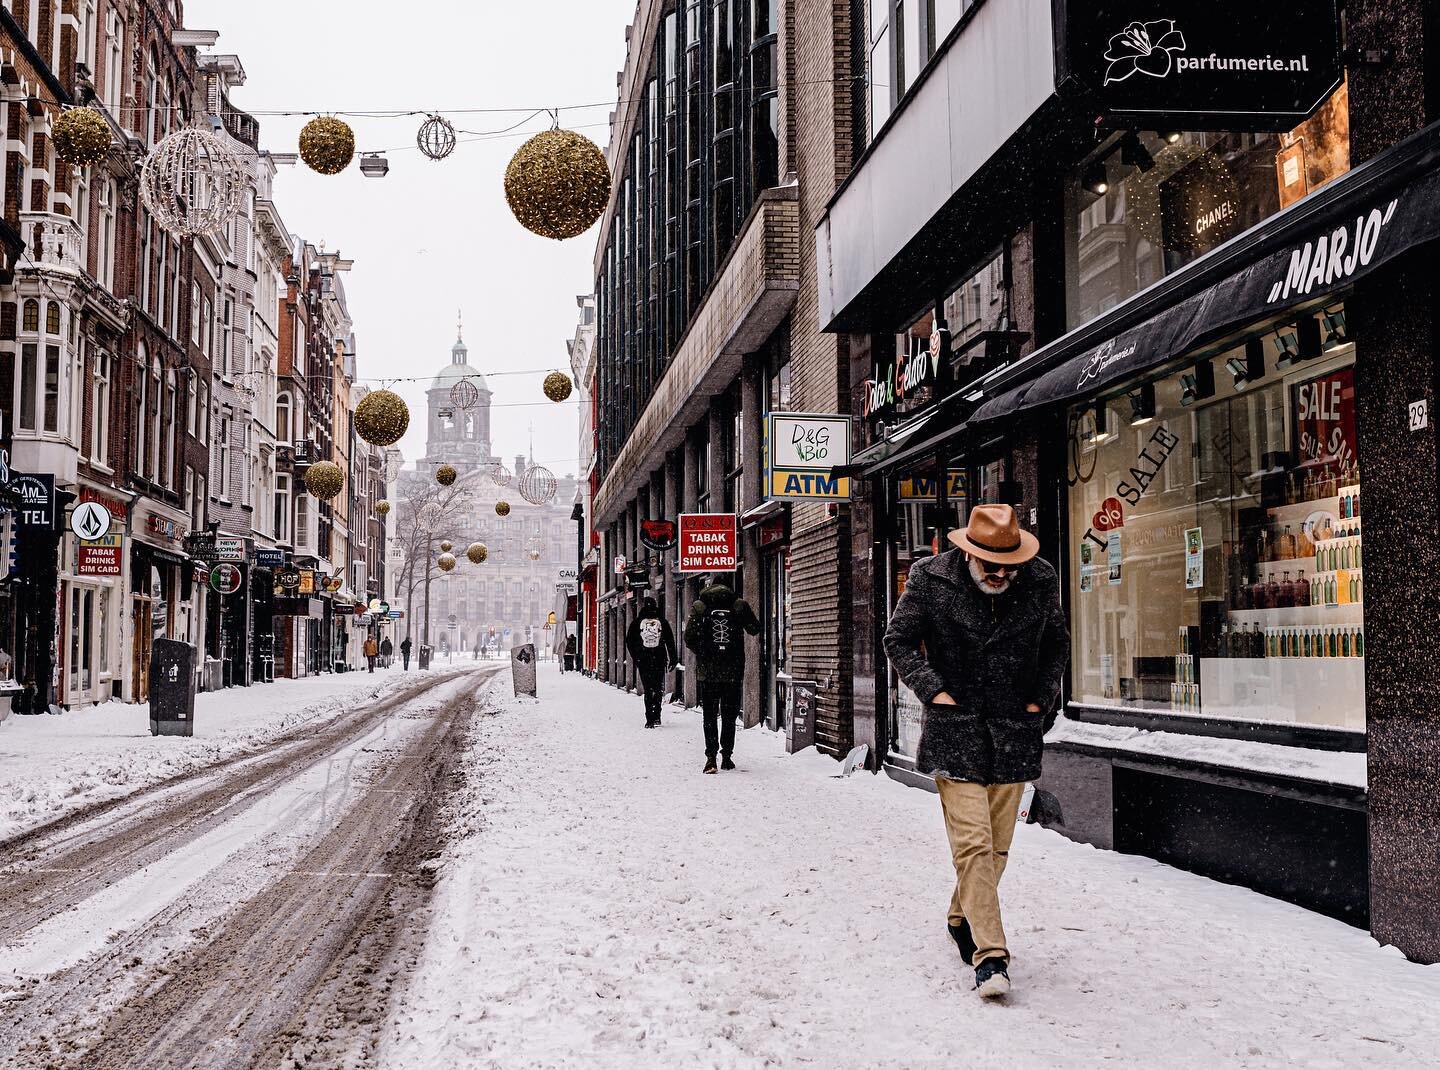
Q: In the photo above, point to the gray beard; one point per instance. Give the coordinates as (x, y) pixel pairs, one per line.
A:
(978, 575)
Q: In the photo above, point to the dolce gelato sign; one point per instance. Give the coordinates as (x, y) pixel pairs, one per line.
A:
(911, 371)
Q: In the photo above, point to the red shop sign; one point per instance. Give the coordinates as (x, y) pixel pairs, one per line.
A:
(1325, 421)
(708, 542)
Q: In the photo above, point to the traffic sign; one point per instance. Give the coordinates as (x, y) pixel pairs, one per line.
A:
(225, 578)
(90, 521)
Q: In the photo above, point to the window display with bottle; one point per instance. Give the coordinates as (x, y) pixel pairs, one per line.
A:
(1232, 521)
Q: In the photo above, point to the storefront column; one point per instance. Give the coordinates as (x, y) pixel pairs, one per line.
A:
(690, 490)
(1395, 366)
(670, 479)
(751, 495)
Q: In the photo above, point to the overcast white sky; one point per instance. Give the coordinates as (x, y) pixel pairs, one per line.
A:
(434, 237)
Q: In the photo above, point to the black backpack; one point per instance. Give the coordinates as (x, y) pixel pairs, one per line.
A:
(719, 634)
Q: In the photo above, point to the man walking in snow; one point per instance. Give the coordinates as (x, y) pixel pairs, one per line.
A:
(405, 653)
(714, 631)
(651, 642)
(980, 637)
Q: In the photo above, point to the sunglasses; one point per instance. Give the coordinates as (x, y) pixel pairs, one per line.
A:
(990, 568)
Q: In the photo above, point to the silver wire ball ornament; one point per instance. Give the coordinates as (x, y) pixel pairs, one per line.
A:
(192, 183)
(498, 473)
(464, 395)
(436, 138)
(537, 485)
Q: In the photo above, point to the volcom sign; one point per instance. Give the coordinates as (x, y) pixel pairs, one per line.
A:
(1235, 65)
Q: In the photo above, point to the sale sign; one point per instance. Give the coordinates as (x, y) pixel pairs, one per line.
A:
(709, 542)
(1325, 422)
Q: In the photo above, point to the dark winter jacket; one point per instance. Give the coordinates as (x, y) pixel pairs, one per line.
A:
(656, 659)
(405, 646)
(710, 667)
(993, 654)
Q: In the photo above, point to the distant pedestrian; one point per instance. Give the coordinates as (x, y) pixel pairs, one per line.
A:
(572, 647)
(372, 651)
(980, 637)
(387, 651)
(715, 632)
(405, 653)
(651, 642)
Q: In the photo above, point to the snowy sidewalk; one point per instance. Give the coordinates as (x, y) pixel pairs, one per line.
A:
(612, 906)
(53, 765)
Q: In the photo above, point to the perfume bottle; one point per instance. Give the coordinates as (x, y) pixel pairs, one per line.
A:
(1285, 546)
(1360, 641)
(1301, 595)
(1304, 544)
(1327, 486)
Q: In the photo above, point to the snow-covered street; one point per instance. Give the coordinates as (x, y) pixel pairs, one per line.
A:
(605, 904)
(51, 766)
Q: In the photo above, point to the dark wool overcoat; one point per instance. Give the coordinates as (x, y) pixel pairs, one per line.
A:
(993, 654)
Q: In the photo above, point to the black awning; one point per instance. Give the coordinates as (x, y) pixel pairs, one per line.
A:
(1315, 249)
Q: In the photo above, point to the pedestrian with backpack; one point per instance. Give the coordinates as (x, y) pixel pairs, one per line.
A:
(651, 642)
(715, 631)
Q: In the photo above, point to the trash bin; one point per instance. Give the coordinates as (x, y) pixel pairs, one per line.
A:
(425, 653)
(172, 688)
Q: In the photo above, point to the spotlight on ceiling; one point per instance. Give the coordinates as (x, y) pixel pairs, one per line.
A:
(1251, 367)
(1198, 383)
(1142, 405)
(1094, 178)
(1307, 329)
(1103, 432)
(1133, 153)
(1335, 328)
(1171, 137)
(1287, 345)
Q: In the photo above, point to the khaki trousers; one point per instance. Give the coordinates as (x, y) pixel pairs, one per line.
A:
(980, 822)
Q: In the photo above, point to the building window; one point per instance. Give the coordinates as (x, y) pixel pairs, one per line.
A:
(100, 409)
(303, 537)
(167, 474)
(207, 326)
(114, 61)
(107, 235)
(142, 412)
(152, 463)
(1235, 587)
(52, 318)
(1168, 201)
(195, 314)
(880, 83)
(29, 382)
(282, 508)
(282, 418)
(225, 318)
(222, 455)
(52, 388)
(30, 320)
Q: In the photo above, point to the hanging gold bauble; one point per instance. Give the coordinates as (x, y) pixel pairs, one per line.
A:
(558, 184)
(502, 508)
(446, 562)
(382, 507)
(81, 136)
(381, 418)
(324, 479)
(446, 546)
(558, 386)
(445, 475)
(327, 145)
(477, 553)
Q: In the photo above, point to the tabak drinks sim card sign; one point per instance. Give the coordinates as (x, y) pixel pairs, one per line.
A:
(709, 542)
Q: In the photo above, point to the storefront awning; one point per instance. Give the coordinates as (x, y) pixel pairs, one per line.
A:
(880, 454)
(1315, 249)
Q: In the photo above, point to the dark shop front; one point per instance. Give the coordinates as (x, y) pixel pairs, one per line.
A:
(1204, 373)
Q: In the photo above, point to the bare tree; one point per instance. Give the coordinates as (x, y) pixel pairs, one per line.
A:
(424, 518)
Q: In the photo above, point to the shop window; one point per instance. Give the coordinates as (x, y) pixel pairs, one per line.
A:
(1216, 538)
(1151, 202)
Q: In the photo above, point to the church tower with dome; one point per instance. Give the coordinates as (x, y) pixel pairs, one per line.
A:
(456, 435)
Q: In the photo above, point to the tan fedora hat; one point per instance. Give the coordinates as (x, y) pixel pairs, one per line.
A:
(994, 534)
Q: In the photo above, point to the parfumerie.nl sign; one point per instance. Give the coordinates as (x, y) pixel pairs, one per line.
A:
(1223, 65)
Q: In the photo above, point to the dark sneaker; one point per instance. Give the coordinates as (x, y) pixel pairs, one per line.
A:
(726, 763)
(963, 940)
(992, 979)
(710, 766)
